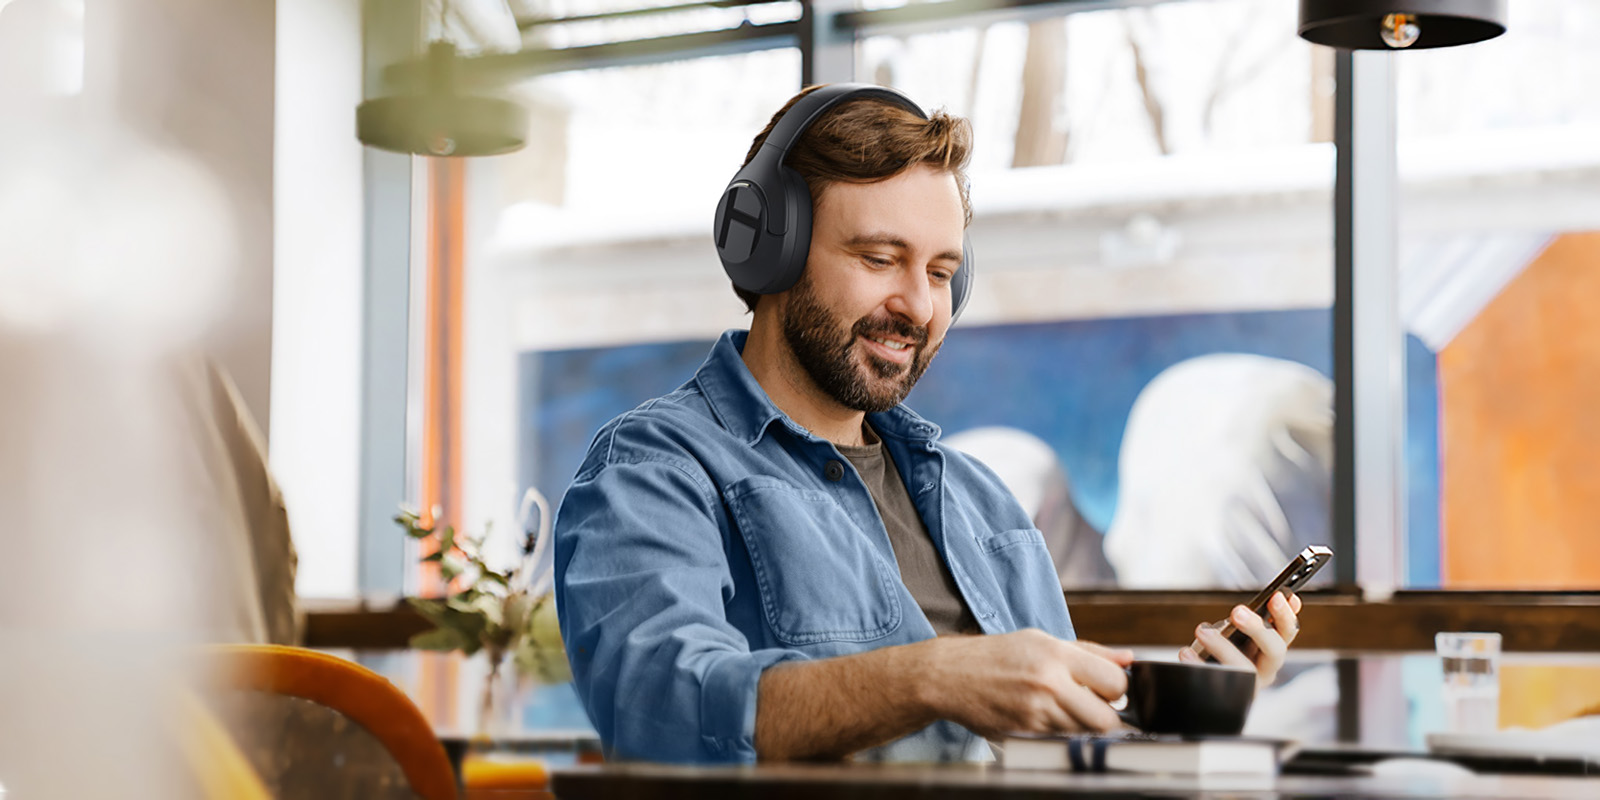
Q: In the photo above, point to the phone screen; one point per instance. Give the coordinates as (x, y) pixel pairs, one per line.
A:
(1295, 575)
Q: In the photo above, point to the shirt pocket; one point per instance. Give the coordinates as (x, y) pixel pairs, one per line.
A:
(820, 579)
(992, 542)
(1021, 572)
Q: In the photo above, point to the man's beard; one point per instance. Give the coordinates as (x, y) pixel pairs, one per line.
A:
(823, 345)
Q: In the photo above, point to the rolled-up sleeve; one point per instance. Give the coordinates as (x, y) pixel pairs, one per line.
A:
(641, 579)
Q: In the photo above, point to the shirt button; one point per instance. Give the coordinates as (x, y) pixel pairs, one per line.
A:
(834, 471)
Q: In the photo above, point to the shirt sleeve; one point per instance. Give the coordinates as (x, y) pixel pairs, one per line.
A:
(641, 578)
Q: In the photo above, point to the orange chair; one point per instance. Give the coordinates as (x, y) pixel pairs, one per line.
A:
(364, 696)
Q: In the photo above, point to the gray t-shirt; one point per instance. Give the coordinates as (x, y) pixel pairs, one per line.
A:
(921, 568)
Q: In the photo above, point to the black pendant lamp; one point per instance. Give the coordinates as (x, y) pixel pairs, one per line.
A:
(437, 119)
(1400, 24)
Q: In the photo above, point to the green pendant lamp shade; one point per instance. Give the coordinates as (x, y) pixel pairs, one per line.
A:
(439, 120)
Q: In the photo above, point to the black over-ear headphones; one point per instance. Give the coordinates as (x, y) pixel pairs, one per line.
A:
(763, 225)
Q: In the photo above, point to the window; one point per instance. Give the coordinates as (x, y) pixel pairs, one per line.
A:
(1499, 157)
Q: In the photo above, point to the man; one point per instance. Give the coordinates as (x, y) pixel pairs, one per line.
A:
(780, 561)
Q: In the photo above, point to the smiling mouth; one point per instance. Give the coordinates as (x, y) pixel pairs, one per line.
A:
(889, 351)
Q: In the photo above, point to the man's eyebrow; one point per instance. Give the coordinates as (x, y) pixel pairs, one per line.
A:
(894, 241)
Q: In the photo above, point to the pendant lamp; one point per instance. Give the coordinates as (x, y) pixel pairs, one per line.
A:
(1399, 24)
(438, 120)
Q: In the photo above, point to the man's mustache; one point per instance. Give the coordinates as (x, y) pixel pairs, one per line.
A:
(867, 327)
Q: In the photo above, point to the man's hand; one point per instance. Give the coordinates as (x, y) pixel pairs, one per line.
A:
(1269, 643)
(1027, 681)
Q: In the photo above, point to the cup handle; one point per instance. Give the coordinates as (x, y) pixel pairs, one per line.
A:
(1127, 713)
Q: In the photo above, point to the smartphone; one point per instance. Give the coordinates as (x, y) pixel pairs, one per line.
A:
(1289, 581)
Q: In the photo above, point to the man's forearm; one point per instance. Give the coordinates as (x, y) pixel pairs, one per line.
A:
(837, 706)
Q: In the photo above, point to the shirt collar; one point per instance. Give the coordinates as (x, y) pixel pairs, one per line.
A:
(745, 410)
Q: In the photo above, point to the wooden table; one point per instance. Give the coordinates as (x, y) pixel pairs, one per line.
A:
(1377, 701)
(846, 782)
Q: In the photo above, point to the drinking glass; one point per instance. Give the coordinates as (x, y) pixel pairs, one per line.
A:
(1471, 687)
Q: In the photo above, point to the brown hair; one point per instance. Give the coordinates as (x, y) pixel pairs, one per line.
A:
(870, 140)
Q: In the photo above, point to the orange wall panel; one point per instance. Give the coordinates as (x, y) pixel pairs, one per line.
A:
(1539, 695)
(1520, 431)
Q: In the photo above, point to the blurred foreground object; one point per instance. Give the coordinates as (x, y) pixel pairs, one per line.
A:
(1396, 24)
(118, 258)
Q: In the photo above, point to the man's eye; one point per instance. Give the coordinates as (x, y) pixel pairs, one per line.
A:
(878, 261)
(940, 277)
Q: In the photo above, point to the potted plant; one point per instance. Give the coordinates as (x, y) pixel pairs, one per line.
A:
(502, 612)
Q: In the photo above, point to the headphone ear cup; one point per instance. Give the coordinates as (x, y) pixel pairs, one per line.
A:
(795, 245)
(961, 284)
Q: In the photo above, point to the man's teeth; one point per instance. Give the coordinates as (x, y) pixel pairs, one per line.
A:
(889, 344)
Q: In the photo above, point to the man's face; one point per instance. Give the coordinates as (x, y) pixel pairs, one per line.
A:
(873, 305)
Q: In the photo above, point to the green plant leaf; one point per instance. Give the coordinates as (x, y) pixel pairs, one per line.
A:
(451, 567)
(492, 608)
(441, 639)
(518, 606)
(434, 611)
(544, 627)
(412, 524)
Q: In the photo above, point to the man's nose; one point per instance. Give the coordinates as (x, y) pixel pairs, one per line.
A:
(913, 297)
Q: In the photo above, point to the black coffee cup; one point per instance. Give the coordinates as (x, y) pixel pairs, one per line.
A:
(1188, 699)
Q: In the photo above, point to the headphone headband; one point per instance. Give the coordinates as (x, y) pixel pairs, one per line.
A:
(813, 105)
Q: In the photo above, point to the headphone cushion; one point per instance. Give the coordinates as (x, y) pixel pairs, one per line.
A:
(795, 244)
(961, 284)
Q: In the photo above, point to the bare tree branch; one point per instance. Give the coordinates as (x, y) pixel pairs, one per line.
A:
(1039, 140)
(977, 68)
(1152, 104)
(1227, 80)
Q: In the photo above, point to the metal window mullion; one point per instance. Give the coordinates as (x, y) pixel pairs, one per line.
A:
(389, 34)
(1369, 338)
(827, 50)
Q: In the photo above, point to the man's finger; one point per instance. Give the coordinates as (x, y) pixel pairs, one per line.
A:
(1120, 656)
(1218, 647)
(1267, 640)
(1088, 709)
(1284, 619)
(1101, 675)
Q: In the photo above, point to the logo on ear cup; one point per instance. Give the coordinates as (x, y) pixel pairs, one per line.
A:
(740, 212)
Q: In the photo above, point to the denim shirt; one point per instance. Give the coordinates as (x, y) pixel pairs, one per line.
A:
(707, 536)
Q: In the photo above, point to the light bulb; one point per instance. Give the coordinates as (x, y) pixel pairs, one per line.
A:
(441, 145)
(1400, 30)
